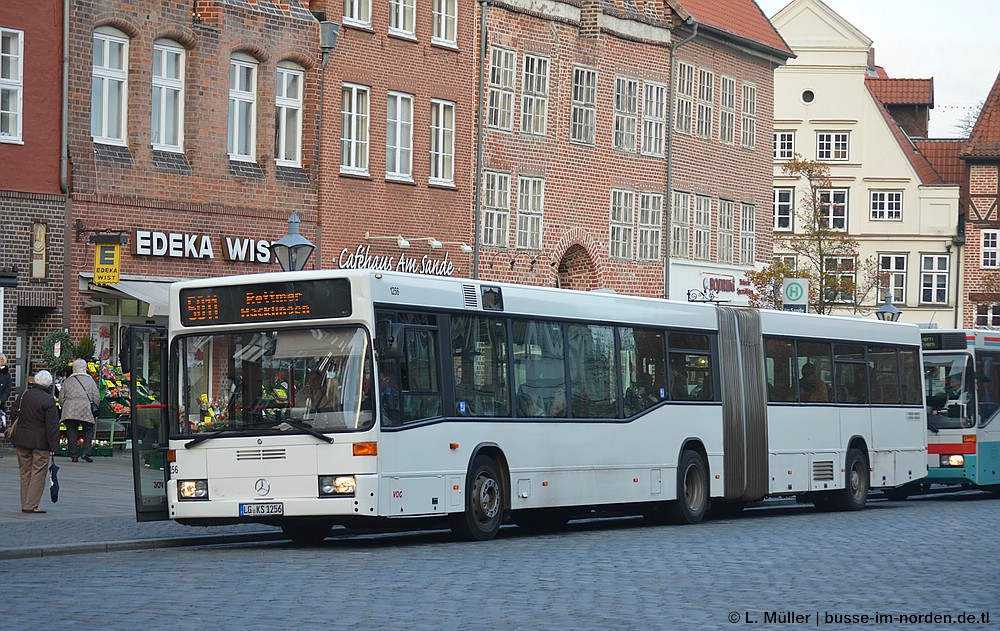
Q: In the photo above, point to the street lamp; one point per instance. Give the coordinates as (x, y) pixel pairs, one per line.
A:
(886, 311)
(292, 250)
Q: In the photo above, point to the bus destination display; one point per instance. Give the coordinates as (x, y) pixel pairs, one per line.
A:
(266, 302)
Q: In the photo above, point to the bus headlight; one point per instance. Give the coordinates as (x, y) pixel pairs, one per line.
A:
(953, 460)
(192, 489)
(336, 485)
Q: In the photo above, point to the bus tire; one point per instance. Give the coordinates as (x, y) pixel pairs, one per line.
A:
(484, 502)
(692, 489)
(541, 520)
(856, 483)
(309, 532)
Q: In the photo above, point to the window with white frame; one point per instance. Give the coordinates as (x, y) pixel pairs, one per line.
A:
(702, 226)
(584, 108)
(500, 91)
(167, 124)
(893, 268)
(650, 226)
(622, 207)
(530, 202)
(445, 22)
(354, 129)
(706, 99)
(727, 219)
(496, 207)
(842, 272)
(358, 12)
(749, 116)
(11, 84)
(748, 234)
(626, 113)
(833, 208)
(242, 107)
(934, 279)
(832, 145)
(886, 205)
(784, 146)
(654, 117)
(685, 97)
(442, 169)
(402, 17)
(987, 316)
(988, 249)
(680, 225)
(288, 114)
(399, 136)
(788, 260)
(727, 110)
(784, 209)
(535, 95)
(109, 86)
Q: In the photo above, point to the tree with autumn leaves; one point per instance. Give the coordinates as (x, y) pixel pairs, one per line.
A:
(825, 254)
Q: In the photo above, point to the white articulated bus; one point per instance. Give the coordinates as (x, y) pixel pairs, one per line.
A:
(365, 398)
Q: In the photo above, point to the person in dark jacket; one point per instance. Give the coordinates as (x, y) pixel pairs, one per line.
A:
(5, 382)
(36, 440)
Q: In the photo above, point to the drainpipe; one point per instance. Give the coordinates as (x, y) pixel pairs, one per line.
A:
(328, 33)
(668, 216)
(64, 172)
(478, 203)
(958, 241)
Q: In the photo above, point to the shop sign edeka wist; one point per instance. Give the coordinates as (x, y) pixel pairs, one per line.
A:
(182, 245)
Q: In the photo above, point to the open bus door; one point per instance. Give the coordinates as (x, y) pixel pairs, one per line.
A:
(144, 359)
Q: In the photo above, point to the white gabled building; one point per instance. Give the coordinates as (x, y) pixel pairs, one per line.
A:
(832, 104)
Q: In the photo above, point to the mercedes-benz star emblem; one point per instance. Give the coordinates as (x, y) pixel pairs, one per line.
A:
(262, 487)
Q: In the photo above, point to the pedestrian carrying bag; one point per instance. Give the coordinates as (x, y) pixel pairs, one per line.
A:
(94, 407)
(12, 418)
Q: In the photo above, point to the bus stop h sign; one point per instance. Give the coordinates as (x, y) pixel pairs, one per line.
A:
(795, 294)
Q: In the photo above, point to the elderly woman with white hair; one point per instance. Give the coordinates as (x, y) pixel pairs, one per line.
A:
(36, 440)
(77, 393)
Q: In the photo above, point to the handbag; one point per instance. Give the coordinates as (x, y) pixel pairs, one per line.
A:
(94, 407)
(12, 418)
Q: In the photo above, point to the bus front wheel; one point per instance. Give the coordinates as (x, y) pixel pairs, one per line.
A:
(692, 490)
(855, 492)
(483, 503)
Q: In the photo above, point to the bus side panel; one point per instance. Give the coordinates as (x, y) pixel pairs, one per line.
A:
(897, 450)
(804, 446)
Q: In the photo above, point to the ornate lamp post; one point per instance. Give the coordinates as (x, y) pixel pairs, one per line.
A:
(292, 251)
(886, 311)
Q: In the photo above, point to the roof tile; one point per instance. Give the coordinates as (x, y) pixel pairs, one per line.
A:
(984, 141)
(903, 91)
(742, 18)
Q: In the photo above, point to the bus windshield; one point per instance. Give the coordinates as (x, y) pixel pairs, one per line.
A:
(949, 397)
(316, 379)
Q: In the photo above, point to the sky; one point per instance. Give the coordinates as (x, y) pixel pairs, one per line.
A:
(954, 42)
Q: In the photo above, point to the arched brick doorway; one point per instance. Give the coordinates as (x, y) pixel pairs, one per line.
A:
(576, 270)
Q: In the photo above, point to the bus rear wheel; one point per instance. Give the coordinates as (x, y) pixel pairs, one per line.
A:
(307, 532)
(692, 490)
(856, 483)
(483, 503)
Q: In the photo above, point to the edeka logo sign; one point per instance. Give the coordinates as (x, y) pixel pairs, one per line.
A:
(107, 263)
(362, 258)
(199, 246)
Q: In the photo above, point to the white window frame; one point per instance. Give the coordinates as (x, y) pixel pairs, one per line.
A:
(535, 95)
(833, 208)
(680, 225)
(444, 20)
(784, 209)
(748, 234)
(749, 135)
(530, 212)
(650, 234)
(622, 223)
(893, 266)
(684, 102)
(242, 121)
(626, 113)
(358, 13)
(833, 146)
(289, 98)
(706, 103)
(784, 145)
(167, 89)
(583, 115)
(654, 118)
(399, 136)
(886, 205)
(355, 118)
(104, 81)
(727, 110)
(727, 224)
(402, 18)
(835, 265)
(987, 316)
(442, 145)
(989, 248)
(496, 208)
(11, 84)
(702, 227)
(934, 276)
(500, 88)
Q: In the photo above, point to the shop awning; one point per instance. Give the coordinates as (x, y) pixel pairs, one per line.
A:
(156, 294)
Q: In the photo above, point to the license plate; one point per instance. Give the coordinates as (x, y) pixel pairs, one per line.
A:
(271, 508)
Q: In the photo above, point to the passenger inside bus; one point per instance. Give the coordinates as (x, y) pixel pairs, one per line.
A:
(527, 404)
(811, 387)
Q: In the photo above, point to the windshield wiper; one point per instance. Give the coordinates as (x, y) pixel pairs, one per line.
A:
(931, 426)
(285, 425)
(200, 439)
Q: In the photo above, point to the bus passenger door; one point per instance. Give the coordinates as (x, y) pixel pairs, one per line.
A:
(143, 359)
